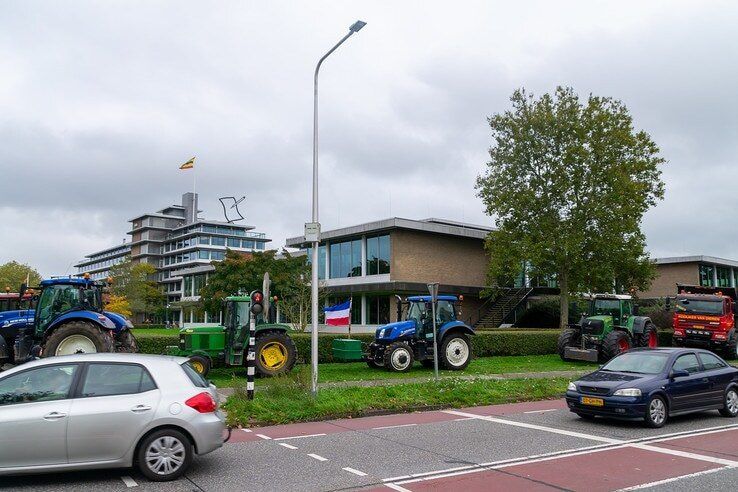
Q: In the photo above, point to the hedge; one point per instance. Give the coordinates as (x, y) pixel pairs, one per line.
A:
(484, 344)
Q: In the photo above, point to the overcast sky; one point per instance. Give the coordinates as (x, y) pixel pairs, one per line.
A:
(100, 102)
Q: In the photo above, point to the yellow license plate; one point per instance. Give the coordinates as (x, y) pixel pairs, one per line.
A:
(595, 402)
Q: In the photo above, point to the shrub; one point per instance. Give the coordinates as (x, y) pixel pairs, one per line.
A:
(155, 344)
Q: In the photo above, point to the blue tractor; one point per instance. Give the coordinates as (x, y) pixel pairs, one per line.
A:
(397, 345)
(68, 319)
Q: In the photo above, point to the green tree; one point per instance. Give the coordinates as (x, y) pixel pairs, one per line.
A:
(13, 274)
(568, 183)
(134, 281)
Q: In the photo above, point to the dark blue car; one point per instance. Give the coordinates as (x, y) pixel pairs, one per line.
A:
(654, 384)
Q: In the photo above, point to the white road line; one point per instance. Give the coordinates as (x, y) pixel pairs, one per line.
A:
(288, 446)
(297, 437)
(318, 457)
(685, 454)
(355, 472)
(396, 487)
(393, 426)
(536, 427)
(673, 479)
(463, 418)
(246, 430)
(267, 438)
(129, 481)
(542, 411)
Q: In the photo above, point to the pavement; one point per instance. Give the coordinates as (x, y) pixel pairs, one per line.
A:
(533, 446)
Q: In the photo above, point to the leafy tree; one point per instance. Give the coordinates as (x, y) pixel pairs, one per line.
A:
(118, 304)
(13, 274)
(568, 183)
(134, 282)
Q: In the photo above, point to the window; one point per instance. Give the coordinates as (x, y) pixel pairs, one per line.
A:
(204, 240)
(116, 379)
(260, 245)
(194, 376)
(706, 275)
(710, 361)
(723, 277)
(198, 283)
(187, 286)
(377, 255)
(321, 260)
(217, 255)
(355, 308)
(246, 243)
(687, 363)
(47, 383)
(377, 310)
(234, 243)
(204, 255)
(345, 259)
(217, 241)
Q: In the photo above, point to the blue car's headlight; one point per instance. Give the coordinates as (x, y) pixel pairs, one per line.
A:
(627, 392)
(571, 387)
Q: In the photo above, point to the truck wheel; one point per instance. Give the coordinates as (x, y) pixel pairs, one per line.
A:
(615, 343)
(455, 352)
(730, 408)
(164, 455)
(126, 343)
(398, 357)
(649, 338)
(656, 412)
(568, 338)
(78, 337)
(275, 354)
(200, 364)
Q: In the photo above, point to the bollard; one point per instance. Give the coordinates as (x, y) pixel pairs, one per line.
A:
(251, 358)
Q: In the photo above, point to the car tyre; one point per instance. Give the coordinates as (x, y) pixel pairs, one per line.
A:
(730, 402)
(568, 338)
(398, 357)
(164, 455)
(657, 412)
(200, 364)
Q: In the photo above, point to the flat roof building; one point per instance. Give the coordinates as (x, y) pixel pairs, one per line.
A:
(98, 264)
(707, 271)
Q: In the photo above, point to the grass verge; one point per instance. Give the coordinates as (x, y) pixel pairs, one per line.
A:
(287, 399)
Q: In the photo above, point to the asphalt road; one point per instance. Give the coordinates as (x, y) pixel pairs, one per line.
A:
(527, 446)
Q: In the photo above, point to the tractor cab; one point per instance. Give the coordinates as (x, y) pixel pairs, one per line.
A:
(616, 307)
(420, 312)
(236, 327)
(61, 296)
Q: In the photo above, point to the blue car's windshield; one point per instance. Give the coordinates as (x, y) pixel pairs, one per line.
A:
(637, 362)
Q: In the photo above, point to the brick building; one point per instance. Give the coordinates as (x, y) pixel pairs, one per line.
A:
(692, 270)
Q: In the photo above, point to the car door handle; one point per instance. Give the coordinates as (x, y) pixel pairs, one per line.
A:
(54, 416)
(140, 408)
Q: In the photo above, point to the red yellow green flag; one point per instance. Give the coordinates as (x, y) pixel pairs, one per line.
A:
(189, 164)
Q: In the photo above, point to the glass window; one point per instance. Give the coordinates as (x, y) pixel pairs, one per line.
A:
(260, 245)
(224, 230)
(710, 361)
(696, 305)
(335, 264)
(247, 243)
(187, 286)
(217, 241)
(234, 243)
(198, 283)
(115, 379)
(377, 310)
(723, 277)
(204, 255)
(687, 363)
(217, 255)
(706, 278)
(384, 254)
(637, 362)
(204, 239)
(42, 384)
(194, 376)
(346, 259)
(372, 255)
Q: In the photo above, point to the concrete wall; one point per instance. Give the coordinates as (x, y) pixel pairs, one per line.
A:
(668, 276)
(424, 257)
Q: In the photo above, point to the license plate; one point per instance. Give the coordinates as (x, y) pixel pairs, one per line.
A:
(595, 402)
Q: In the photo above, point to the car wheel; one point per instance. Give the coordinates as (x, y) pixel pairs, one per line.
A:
(656, 412)
(730, 408)
(398, 357)
(164, 455)
(586, 416)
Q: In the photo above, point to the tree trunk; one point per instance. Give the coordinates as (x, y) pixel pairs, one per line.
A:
(564, 301)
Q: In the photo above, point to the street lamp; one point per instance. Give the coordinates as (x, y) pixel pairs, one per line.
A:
(312, 230)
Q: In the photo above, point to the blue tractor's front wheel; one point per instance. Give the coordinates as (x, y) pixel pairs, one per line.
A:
(398, 357)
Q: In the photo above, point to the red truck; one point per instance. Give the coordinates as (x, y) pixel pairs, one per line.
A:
(705, 317)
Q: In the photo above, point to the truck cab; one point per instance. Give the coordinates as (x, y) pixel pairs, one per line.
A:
(705, 317)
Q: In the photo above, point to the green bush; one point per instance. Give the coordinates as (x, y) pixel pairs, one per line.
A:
(156, 344)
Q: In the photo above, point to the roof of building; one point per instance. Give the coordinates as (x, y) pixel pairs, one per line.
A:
(695, 259)
(432, 225)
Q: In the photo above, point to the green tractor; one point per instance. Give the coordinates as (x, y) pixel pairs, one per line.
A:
(207, 346)
(610, 327)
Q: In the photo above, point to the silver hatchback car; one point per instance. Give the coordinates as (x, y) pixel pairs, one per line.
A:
(106, 411)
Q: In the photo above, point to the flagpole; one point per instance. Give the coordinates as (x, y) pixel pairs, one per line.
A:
(351, 301)
(194, 196)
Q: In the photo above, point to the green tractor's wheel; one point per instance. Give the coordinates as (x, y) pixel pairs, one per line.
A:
(568, 338)
(200, 364)
(275, 354)
(649, 338)
(615, 343)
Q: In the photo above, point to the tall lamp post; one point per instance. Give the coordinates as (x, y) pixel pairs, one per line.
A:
(312, 230)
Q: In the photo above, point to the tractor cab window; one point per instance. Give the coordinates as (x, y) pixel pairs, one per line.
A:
(444, 312)
(606, 307)
(92, 299)
(237, 314)
(55, 300)
(416, 312)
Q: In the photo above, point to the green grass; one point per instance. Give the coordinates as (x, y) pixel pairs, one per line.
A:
(287, 399)
(155, 332)
(359, 371)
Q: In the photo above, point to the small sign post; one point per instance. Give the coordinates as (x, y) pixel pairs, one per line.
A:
(433, 290)
(312, 232)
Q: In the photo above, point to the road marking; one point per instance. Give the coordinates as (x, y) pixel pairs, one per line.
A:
(264, 437)
(129, 481)
(318, 457)
(298, 437)
(685, 454)
(396, 487)
(673, 479)
(246, 430)
(393, 426)
(288, 446)
(536, 427)
(463, 418)
(542, 411)
(355, 472)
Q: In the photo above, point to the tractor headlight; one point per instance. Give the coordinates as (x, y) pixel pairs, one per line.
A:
(381, 333)
(129, 324)
(571, 387)
(627, 392)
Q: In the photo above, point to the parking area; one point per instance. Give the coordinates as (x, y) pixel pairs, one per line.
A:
(526, 446)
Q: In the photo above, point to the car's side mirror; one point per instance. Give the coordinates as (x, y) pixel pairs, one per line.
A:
(678, 373)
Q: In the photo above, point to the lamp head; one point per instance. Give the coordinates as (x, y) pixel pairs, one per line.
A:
(356, 26)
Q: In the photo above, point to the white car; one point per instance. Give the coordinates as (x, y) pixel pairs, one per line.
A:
(104, 410)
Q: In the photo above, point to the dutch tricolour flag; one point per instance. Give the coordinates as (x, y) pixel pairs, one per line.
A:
(338, 315)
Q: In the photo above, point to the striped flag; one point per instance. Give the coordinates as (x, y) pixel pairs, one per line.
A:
(189, 164)
(338, 315)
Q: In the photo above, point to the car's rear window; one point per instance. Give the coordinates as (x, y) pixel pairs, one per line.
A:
(194, 376)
